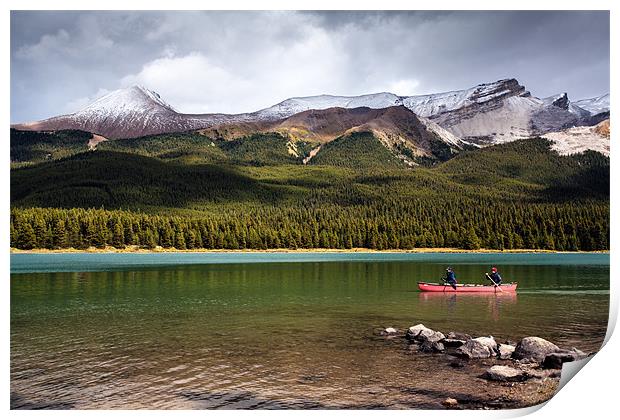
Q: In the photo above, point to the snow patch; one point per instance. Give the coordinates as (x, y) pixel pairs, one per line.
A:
(579, 139)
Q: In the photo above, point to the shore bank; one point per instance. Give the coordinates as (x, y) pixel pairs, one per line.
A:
(138, 250)
(502, 375)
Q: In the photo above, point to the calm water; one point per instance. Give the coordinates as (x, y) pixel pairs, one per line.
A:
(273, 330)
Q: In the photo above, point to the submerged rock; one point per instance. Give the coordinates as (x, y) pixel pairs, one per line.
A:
(505, 351)
(505, 374)
(538, 373)
(534, 349)
(389, 331)
(457, 364)
(478, 348)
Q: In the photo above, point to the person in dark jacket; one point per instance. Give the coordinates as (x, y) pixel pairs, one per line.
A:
(495, 277)
(450, 277)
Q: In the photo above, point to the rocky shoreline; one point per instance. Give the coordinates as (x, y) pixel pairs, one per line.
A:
(134, 249)
(519, 374)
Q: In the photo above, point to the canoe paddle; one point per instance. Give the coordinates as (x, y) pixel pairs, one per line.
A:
(493, 281)
(445, 283)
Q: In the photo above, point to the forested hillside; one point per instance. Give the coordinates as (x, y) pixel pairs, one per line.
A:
(184, 192)
(36, 146)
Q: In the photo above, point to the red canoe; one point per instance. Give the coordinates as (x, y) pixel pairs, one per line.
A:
(466, 288)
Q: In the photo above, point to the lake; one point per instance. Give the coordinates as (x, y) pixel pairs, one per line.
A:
(274, 330)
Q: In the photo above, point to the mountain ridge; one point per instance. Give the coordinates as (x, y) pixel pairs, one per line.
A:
(487, 113)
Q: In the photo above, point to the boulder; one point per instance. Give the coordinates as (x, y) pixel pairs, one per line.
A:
(413, 332)
(430, 335)
(450, 402)
(505, 374)
(505, 351)
(450, 342)
(534, 349)
(557, 359)
(429, 346)
(478, 348)
(456, 339)
(420, 333)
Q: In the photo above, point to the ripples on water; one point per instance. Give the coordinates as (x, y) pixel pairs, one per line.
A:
(298, 335)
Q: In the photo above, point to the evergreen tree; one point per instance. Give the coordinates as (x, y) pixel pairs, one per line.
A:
(471, 240)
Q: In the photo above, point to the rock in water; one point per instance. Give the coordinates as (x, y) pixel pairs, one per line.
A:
(412, 332)
(505, 351)
(478, 348)
(420, 334)
(505, 374)
(430, 335)
(458, 336)
(429, 346)
(557, 359)
(389, 331)
(534, 349)
(456, 339)
(450, 342)
(457, 364)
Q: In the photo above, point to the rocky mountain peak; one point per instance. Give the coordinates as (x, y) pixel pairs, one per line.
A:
(561, 101)
(131, 99)
(499, 89)
(486, 113)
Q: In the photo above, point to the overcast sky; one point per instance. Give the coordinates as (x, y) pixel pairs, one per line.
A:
(243, 61)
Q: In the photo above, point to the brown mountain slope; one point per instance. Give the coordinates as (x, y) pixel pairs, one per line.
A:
(397, 127)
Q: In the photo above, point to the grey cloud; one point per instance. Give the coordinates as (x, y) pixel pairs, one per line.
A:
(237, 61)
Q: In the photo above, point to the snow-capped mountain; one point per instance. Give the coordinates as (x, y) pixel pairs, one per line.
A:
(423, 105)
(498, 112)
(484, 114)
(597, 105)
(125, 113)
(294, 106)
(487, 113)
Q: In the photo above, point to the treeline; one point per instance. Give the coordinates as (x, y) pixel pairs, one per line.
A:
(390, 225)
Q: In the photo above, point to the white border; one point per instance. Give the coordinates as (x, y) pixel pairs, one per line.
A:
(592, 394)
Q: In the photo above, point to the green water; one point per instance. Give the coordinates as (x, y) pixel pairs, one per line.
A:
(238, 331)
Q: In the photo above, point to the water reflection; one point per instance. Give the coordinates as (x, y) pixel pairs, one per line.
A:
(492, 303)
(298, 334)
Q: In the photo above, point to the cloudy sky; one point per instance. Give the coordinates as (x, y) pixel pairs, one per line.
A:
(243, 61)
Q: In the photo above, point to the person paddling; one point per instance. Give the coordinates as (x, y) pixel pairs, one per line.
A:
(450, 277)
(495, 277)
